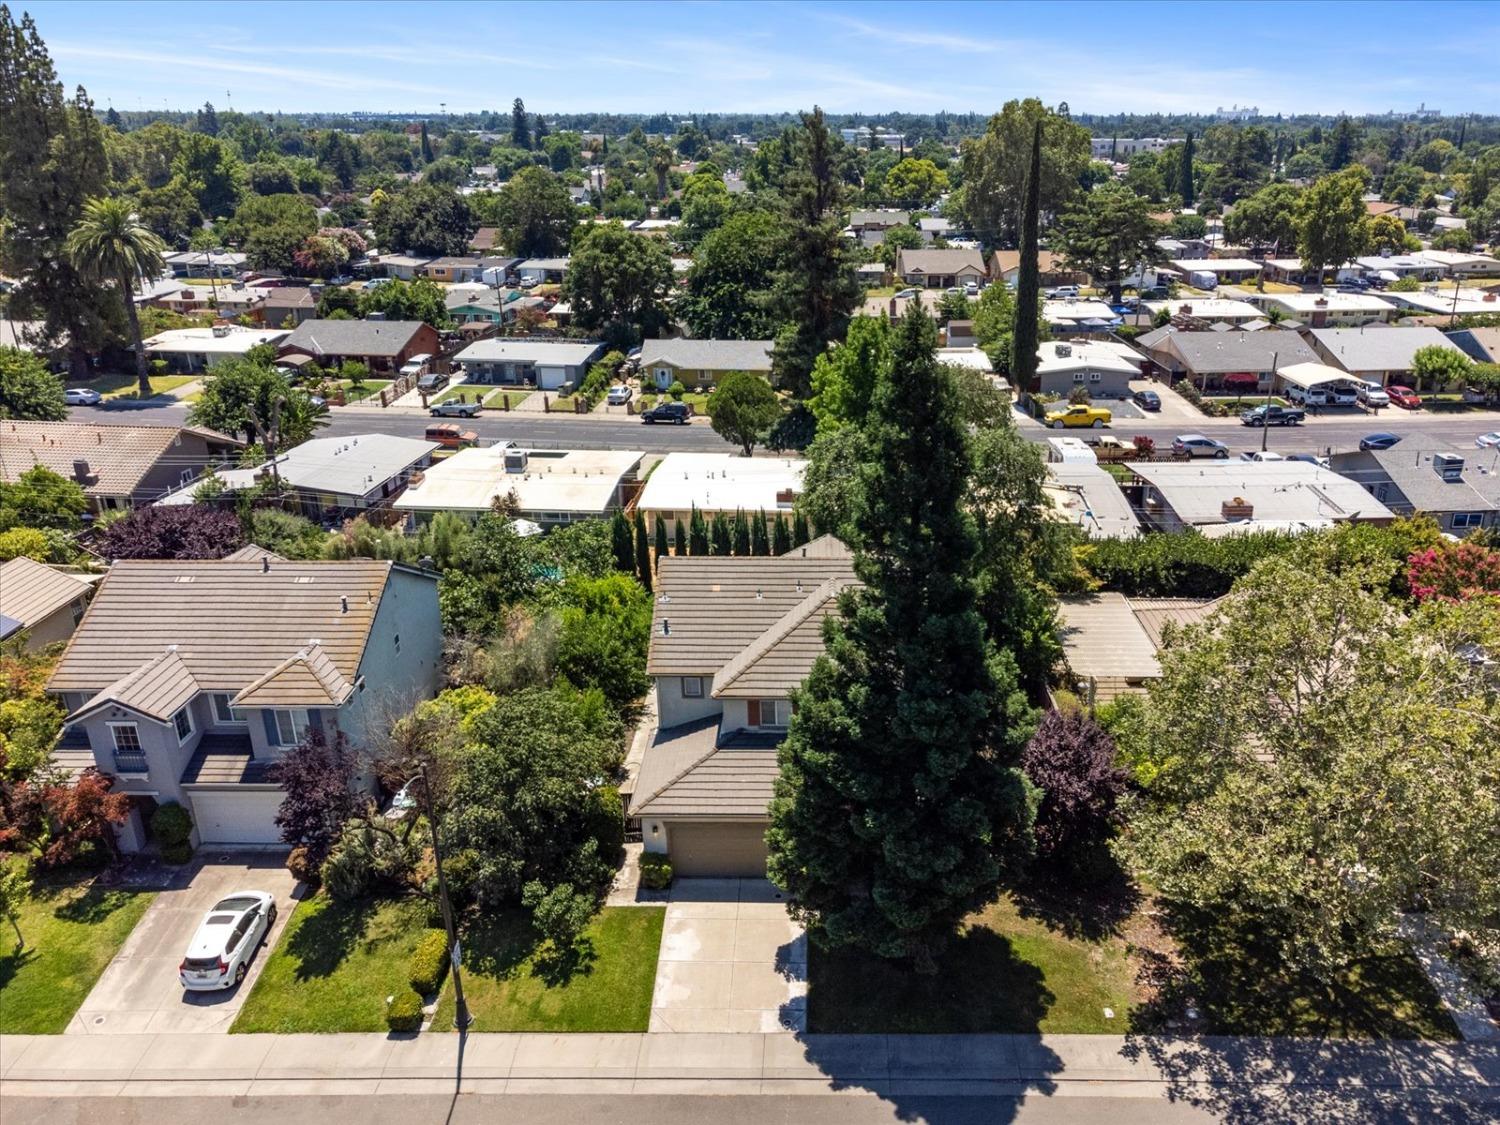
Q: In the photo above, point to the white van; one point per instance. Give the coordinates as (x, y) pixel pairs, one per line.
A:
(416, 365)
(1070, 451)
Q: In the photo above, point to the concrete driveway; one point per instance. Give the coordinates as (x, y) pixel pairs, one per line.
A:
(731, 960)
(139, 992)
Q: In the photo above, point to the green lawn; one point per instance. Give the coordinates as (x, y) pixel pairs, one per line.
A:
(453, 391)
(124, 386)
(1008, 973)
(371, 388)
(336, 964)
(509, 988)
(503, 399)
(71, 931)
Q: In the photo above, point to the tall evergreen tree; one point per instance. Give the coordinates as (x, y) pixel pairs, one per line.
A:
(760, 544)
(741, 534)
(426, 145)
(622, 543)
(679, 541)
(207, 121)
(800, 533)
(642, 551)
(661, 539)
(520, 130)
(52, 161)
(112, 119)
(1185, 171)
(1024, 339)
(539, 131)
(723, 537)
(900, 807)
(697, 533)
(816, 288)
(781, 536)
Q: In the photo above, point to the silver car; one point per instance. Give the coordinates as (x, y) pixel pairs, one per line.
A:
(1196, 445)
(226, 941)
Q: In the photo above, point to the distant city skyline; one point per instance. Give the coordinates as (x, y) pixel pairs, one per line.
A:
(875, 58)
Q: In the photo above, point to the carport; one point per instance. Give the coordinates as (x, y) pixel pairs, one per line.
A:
(1310, 376)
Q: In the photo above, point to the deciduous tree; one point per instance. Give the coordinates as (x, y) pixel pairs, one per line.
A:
(318, 776)
(28, 391)
(618, 282)
(743, 408)
(181, 531)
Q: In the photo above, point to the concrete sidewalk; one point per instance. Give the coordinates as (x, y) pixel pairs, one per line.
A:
(782, 1063)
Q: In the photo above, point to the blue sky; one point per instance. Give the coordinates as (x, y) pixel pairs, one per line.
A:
(761, 57)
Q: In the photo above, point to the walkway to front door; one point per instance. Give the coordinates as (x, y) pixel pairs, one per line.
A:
(731, 960)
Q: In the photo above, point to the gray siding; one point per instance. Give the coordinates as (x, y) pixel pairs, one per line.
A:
(674, 709)
(397, 677)
(166, 758)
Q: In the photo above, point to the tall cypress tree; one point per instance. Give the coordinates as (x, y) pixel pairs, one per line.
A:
(781, 536)
(1185, 172)
(622, 544)
(697, 534)
(741, 534)
(679, 540)
(661, 539)
(901, 807)
(426, 145)
(800, 533)
(642, 551)
(520, 127)
(1024, 338)
(760, 544)
(723, 537)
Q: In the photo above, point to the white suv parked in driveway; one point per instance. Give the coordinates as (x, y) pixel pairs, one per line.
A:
(226, 940)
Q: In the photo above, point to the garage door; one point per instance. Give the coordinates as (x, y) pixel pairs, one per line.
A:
(718, 850)
(237, 818)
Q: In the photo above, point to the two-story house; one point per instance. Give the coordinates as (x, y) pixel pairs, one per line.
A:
(731, 637)
(187, 680)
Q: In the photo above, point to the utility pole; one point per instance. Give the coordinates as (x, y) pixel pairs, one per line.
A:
(461, 1009)
(1265, 422)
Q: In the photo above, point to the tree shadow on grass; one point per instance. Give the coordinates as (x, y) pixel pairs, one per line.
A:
(321, 940)
(1089, 899)
(13, 962)
(556, 967)
(497, 943)
(93, 906)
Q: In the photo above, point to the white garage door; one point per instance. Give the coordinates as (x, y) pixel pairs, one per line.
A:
(237, 818)
(718, 850)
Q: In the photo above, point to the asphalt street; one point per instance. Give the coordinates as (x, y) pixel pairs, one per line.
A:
(1333, 1107)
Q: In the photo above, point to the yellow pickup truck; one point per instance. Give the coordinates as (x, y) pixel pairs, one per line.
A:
(1073, 417)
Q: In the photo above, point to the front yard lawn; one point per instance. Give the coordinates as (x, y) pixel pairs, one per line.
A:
(336, 964)
(510, 988)
(124, 386)
(506, 400)
(72, 930)
(370, 388)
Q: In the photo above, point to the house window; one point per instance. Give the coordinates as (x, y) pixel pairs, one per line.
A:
(78, 607)
(223, 712)
(774, 713)
(692, 687)
(183, 723)
(1464, 521)
(291, 727)
(1078, 376)
(129, 756)
(1095, 377)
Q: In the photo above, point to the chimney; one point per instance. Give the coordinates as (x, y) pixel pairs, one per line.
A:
(81, 470)
(1237, 509)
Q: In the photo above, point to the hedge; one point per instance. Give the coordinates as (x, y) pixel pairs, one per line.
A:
(404, 1012)
(656, 871)
(428, 962)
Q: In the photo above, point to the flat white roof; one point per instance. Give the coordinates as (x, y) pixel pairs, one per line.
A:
(566, 481)
(207, 341)
(1327, 302)
(966, 357)
(1062, 355)
(1089, 497)
(1307, 375)
(1209, 308)
(541, 352)
(1443, 301)
(1277, 490)
(1077, 310)
(720, 482)
(1215, 265)
(1459, 258)
(344, 466)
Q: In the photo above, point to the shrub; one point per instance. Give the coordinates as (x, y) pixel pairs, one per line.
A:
(172, 828)
(1071, 758)
(1144, 444)
(559, 915)
(656, 871)
(303, 869)
(1079, 396)
(24, 541)
(606, 816)
(677, 390)
(428, 963)
(177, 854)
(404, 1012)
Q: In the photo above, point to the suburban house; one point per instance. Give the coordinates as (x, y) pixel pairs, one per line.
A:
(1086, 496)
(1378, 355)
(1394, 267)
(1208, 310)
(1482, 345)
(1080, 316)
(545, 270)
(730, 638)
(382, 345)
(452, 270)
(1293, 271)
(174, 295)
(702, 363)
(288, 303)
(1230, 271)
(40, 602)
(1459, 301)
(404, 267)
(1251, 496)
(328, 477)
(1208, 358)
(871, 273)
(718, 482)
(1110, 642)
(186, 350)
(205, 263)
(934, 227)
(878, 221)
(1454, 263)
(550, 487)
(940, 269)
(1080, 363)
(468, 305)
(193, 703)
(549, 364)
(484, 240)
(1460, 489)
(1327, 310)
(1005, 265)
(118, 466)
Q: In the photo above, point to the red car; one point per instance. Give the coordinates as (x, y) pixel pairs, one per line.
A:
(1404, 396)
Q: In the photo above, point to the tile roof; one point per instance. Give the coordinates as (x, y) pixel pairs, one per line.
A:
(118, 457)
(779, 659)
(31, 591)
(709, 355)
(687, 773)
(157, 689)
(938, 261)
(231, 621)
(714, 607)
(1113, 640)
(307, 678)
(252, 552)
(353, 337)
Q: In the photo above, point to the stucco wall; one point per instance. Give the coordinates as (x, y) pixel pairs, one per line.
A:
(397, 677)
(674, 709)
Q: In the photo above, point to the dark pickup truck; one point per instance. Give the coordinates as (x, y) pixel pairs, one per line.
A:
(1273, 416)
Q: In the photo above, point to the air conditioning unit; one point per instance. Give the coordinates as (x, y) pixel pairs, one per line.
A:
(221, 330)
(1449, 466)
(516, 460)
(1064, 351)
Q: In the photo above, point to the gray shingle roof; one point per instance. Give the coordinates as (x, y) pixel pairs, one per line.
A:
(353, 337)
(1383, 348)
(709, 355)
(938, 261)
(1209, 353)
(1412, 472)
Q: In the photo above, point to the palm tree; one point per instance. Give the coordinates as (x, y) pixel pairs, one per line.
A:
(110, 244)
(661, 163)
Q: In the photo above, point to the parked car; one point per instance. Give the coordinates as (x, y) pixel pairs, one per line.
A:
(1341, 394)
(453, 408)
(1490, 440)
(432, 381)
(1074, 417)
(226, 940)
(1147, 400)
(1156, 293)
(1107, 447)
(82, 396)
(1063, 293)
(1309, 458)
(1373, 395)
(1269, 414)
(971, 290)
(529, 282)
(450, 435)
(1403, 396)
(1315, 396)
(377, 282)
(674, 412)
(1196, 445)
(341, 279)
(1261, 455)
(908, 293)
(619, 394)
(416, 365)
(1382, 440)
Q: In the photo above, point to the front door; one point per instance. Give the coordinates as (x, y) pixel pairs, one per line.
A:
(663, 378)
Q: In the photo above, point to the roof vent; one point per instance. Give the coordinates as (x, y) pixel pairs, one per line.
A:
(666, 627)
(758, 595)
(1064, 351)
(265, 564)
(343, 603)
(1449, 466)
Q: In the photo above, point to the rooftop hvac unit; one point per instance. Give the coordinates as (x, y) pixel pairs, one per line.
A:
(516, 460)
(221, 330)
(1449, 466)
(1064, 351)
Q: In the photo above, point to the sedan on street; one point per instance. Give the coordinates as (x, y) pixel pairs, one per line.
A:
(1490, 440)
(1380, 440)
(1196, 445)
(226, 941)
(82, 396)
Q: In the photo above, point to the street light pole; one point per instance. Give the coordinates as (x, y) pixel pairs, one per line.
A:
(461, 1012)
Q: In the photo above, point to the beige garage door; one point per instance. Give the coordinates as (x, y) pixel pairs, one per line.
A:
(248, 817)
(718, 850)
